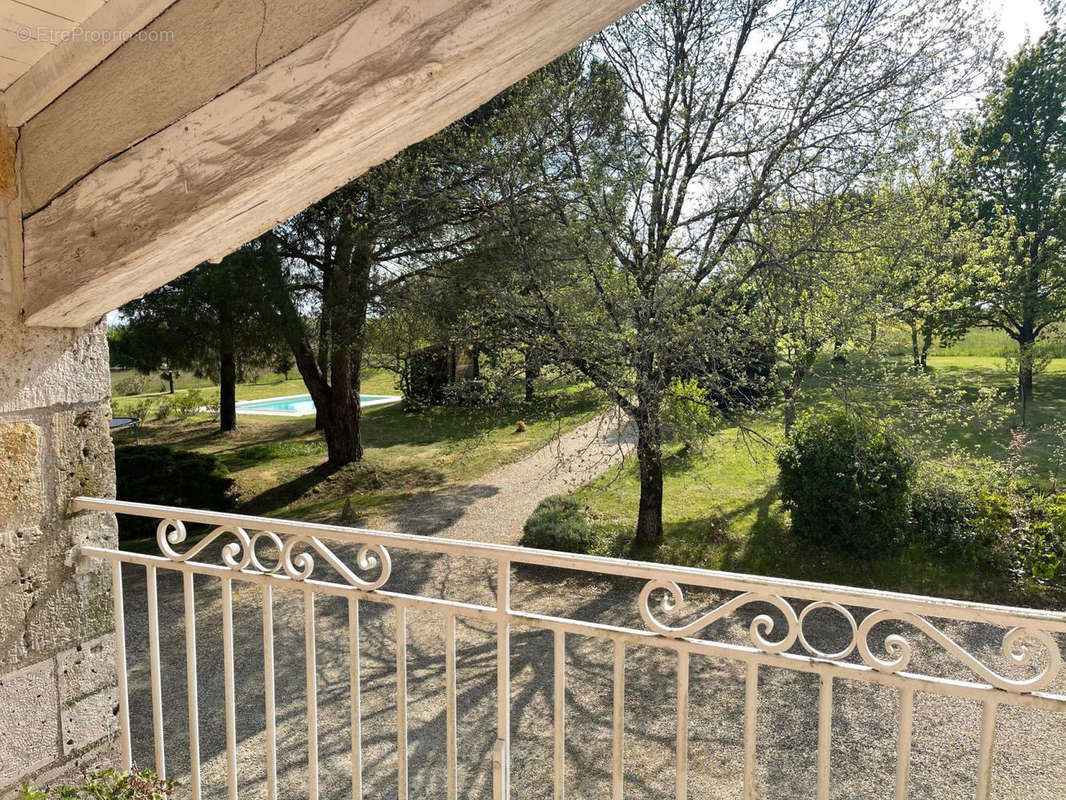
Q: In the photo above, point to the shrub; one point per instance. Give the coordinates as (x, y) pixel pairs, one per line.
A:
(1040, 539)
(141, 410)
(944, 510)
(952, 513)
(471, 392)
(558, 523)
(846, 483)
(130, 384)
(107, 785)
(157, 474)
(164, 408)
(188, 403)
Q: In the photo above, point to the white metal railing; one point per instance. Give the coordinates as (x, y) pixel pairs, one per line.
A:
(1029, 645)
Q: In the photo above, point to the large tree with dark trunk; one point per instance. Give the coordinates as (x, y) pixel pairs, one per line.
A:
(681, 126)
(1014, 161)
(206, 321)
(328, 268)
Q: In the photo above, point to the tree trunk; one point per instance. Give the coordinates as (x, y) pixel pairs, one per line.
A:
(650, 458)
(227, 386)
(800, 370)
(348, 301)
(532, 371)
(1025, 379)
(343, 442)
(915, 352)
(170, 379)
(323, 343)
(927, 343)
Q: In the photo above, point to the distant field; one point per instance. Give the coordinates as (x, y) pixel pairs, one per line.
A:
(977, 342)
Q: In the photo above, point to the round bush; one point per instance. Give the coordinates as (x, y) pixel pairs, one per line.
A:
(944, 511)
(558, 523)
(846, 482)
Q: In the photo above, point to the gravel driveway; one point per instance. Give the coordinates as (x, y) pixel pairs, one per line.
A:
(1029, 758)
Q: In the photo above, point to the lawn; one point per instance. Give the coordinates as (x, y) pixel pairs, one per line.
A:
(722, 511)
(280, 464)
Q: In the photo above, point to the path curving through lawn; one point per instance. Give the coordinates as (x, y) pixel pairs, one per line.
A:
(495, 508)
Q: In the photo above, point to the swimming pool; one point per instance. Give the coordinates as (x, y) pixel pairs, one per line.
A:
(301, 405)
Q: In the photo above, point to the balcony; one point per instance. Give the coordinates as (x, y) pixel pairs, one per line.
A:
(285, 659)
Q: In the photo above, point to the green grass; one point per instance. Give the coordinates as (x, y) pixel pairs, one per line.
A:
(721, 509)
(280, 466)
(985, 342)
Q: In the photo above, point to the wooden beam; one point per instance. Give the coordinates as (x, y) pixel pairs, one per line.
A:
(385, 78)
(71, 59)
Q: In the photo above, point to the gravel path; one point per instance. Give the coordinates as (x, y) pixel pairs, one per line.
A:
(495, 508)
(1029, 763)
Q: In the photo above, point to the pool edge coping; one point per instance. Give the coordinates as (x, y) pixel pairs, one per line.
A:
(242, 405)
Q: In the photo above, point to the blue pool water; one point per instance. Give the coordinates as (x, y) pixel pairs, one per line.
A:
(302, 405)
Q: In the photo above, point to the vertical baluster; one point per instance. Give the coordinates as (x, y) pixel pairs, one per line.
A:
(618, 739)
(356, 698)
(903, 743)
(560, 715)
(117, 599)
(154, 668)
(682, 724)
(501, 753)
(190, 683)
(450, 711)
(268, 693)
(825, 734)
(229, 686)
(988, 741)
(401, 700)
(311, 674)
(751, 700)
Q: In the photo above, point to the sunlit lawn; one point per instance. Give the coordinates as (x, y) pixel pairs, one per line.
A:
(280, 463)
(722, 511)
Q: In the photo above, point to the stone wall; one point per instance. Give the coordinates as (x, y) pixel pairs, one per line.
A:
(57, 696)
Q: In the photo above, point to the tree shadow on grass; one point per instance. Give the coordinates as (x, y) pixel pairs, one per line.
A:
(289, 492)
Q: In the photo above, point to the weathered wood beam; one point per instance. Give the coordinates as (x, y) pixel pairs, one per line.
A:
(389, 75)
(102, 34)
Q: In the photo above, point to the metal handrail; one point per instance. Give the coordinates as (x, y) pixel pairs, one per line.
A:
(1028, 642)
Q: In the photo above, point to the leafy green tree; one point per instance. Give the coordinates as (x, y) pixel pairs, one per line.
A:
(944, 265)
(344, 256)
(682, 125)
(1013, 159)
(205, 321)
(820, 276)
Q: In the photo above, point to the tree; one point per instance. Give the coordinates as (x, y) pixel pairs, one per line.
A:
(943, 266)
(344, 253)
(820, 277)
(684, 123)
(206, 321)
(1014, 161)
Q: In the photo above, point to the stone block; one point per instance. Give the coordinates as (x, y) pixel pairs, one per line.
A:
(89, 720)
(16, 593)
(42, 367)
(83, 456)
(29, 725)
(70, 603)
(22, 497)
(86, 669)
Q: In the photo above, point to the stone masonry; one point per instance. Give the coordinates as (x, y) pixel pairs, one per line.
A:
(57, 679)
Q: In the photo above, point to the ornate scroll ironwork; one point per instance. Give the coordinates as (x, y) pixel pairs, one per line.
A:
(294, 553)
(1021, 646)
